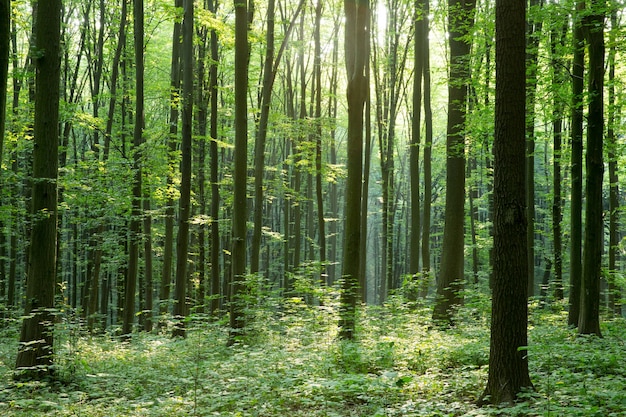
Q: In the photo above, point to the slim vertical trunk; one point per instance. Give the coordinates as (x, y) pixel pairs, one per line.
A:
(184, 205)
(240, 212)
(589, 321)
(5, 38)
(35, 352)
(534, 30)
(168, 249)
(135, 221)
(614, 205)
(357, 24)
(578, 64)
(428, 141)
(449, 296)
(214, 157)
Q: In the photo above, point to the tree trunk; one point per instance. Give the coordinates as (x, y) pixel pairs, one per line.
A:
(240, 212)
(589, 322)
(428, 141)
(460, 22)
(508, 358)
(136, 212)
(168, 246)
(214, 176)
(35, 352)
(5, 38)
(420, 22)
(357, 14)
(578, 64)
(614, 204)
(184, 205)
(533, 35)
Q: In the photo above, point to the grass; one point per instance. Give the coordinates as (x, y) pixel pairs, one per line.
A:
(290, 364)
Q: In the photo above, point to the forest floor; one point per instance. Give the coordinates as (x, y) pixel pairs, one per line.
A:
(291, 364)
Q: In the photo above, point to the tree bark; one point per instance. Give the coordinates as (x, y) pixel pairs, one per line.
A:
(578, 64)
(35, 351)
(184, 205)
(136, 212)
(449, 297)
(589, 321)
(357, 14)
(240, 212)
(508, 358)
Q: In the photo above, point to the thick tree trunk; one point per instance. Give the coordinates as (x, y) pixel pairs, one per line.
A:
(508, 358)
(35, 352)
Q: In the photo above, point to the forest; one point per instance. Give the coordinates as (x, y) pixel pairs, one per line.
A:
(312, 208)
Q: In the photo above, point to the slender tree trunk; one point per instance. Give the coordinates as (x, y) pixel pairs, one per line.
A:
(428, 141)
(557, 38)
(357, 24)
(319, 191)
(5, 39)
(184, 205)
(589, 322)
(449, 296)
(508, 358)
(614, 204)
(533, 35)
(578, 64)
(168, 247)
(240, 214)
(214, 158)
(35, 352)
(420, 22)
(136, 212)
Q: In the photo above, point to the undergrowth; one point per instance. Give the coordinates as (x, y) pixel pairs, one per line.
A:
(290, 363)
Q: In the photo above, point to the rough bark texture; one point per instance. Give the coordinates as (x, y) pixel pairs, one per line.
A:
(35, 351)
(508, 360)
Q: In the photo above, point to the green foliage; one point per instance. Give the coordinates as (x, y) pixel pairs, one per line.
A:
(294, 365)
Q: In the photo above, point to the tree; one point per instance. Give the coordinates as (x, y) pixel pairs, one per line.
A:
(184, 206)
(168, 249)
(240, 174)
(508, 358)
(135, 220)
(460, 21)
(357, 14)
(589, 321)
(35, 352)
(214, 162)
(5, 38)
(576, 133)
